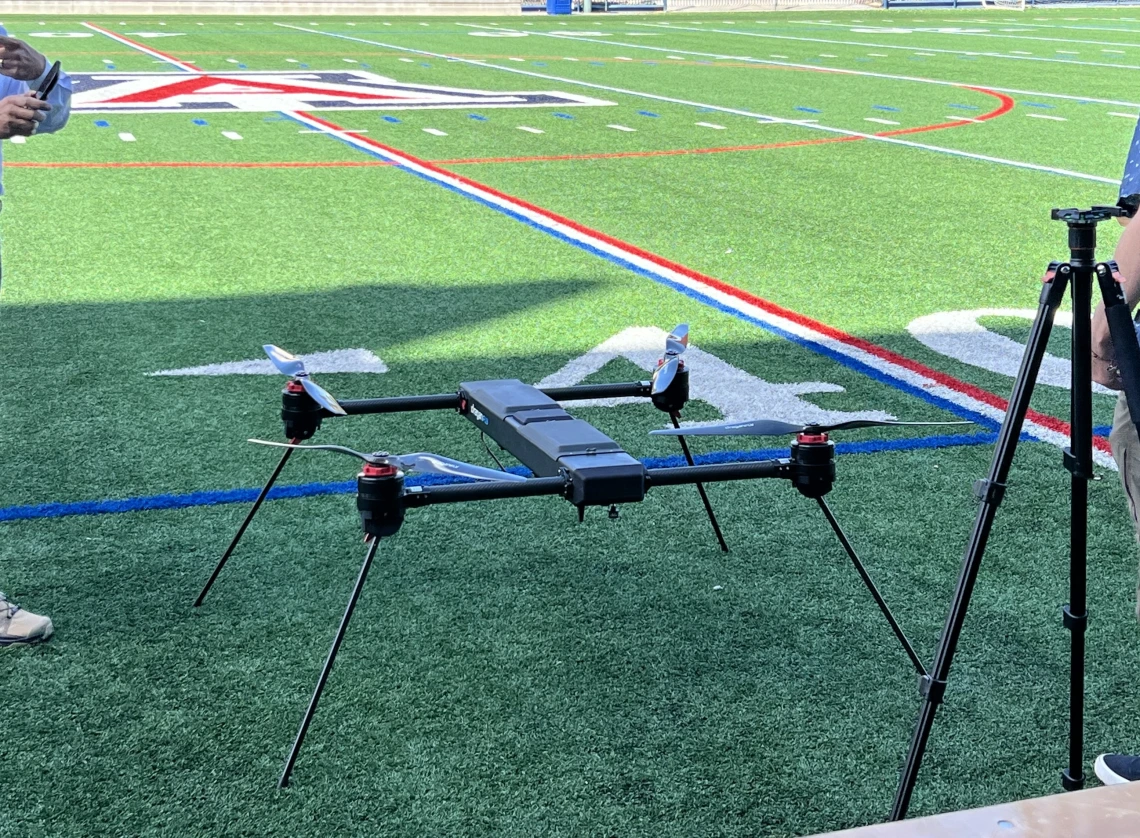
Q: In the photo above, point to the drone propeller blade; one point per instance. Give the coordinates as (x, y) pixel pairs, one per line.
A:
(286, 362)
(663, 376)
(340, 449)
(322, 397)
(678, 340)
(675, 345)
(757, 427)
(291, 365)
(876, 423)
(772, 427)
(422, 462)
(426, 463)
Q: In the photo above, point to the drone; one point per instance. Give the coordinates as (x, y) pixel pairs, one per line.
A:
(568, 457)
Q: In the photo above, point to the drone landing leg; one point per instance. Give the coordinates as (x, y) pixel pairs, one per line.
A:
(919, 668)
(293, 753)
(700, 486)
(241, 530)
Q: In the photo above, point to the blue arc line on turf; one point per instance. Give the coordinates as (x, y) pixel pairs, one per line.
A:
(307, 490)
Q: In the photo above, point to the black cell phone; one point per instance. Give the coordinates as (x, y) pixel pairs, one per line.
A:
(49, 82)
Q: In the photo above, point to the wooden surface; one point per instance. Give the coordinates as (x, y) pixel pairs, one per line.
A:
(1103, 812)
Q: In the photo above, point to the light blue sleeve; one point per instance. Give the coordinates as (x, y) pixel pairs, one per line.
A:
(59, 98)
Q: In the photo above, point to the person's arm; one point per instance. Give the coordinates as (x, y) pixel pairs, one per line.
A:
(1127, 256)
(59, 99)
(22, 71)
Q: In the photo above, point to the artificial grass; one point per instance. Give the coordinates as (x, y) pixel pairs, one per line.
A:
(510, 672)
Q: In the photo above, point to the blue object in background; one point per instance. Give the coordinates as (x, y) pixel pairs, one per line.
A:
(558, 7)
(1130, 183)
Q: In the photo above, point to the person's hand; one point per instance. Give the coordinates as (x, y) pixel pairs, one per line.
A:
(20, 61)
(20, 115)
(1104, 369)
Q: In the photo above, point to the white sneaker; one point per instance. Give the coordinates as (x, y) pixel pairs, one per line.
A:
(20, 626)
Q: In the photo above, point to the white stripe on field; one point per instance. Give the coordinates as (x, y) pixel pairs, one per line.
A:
(879, 120)
(231, 135)
(530, 130)
(930, 51)
(1125, 115)
(621, 128)
(868, 73)
(737, 111)
(712, 125)
(190, 68)
(819, 341)
(435, 132)
(1046, 116)
(996, 35)
(127, 137)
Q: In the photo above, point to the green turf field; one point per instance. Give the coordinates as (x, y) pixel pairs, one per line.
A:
(509, 671)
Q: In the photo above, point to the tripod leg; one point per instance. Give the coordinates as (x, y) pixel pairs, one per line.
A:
(990, 491)
(918, 667)
(327, 668)
(241, 530)
(1079, 462)
(700, 487)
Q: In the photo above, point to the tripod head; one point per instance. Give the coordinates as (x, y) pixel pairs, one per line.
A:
(1082, 232)
(1089, 217)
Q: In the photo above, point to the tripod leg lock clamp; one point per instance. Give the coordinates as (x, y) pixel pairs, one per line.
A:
(1074, 467)
(989, 491)
(931, 689)
(1074, 622)
(1052, 293)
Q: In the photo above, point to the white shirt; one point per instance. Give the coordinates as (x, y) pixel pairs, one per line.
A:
(59, 99)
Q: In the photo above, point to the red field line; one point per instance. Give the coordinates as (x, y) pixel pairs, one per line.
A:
(1004, 108)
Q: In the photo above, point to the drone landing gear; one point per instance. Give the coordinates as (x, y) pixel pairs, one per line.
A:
(814, 454)
(869, 583)
(373, 543)
(244, 524)
(676, 418)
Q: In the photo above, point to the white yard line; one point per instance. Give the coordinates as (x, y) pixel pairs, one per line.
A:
(737, 111)
(929, 51)
(880, 121)
(996, 35)
(1046, 116)
(869, 74)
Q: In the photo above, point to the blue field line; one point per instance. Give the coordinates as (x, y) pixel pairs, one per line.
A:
(216, 497)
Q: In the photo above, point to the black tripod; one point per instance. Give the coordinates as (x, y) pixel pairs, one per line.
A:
(1078, 272)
